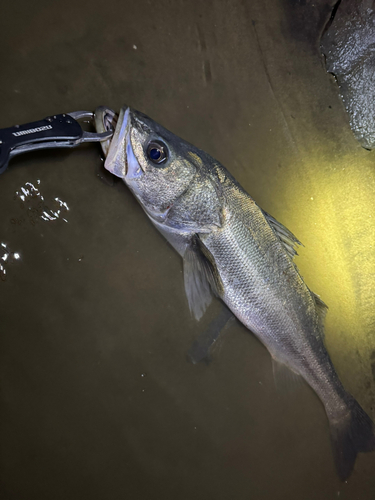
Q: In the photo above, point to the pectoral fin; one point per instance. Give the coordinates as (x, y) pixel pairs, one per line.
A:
(200, 276)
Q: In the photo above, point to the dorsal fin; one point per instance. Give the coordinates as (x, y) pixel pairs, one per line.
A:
(200, 276)
(286, 237)
(321, 309)
(289, 241)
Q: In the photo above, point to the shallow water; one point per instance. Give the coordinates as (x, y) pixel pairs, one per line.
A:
(98, 396)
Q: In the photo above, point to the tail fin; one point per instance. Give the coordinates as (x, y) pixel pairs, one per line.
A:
(350, 435)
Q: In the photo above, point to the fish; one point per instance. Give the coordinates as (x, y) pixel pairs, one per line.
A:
(234, 250)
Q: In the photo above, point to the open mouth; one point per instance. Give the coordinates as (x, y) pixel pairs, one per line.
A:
(120, 159)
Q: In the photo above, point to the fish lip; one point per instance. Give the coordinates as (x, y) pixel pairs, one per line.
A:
(120, 159)
(117, 154)
(116, 149)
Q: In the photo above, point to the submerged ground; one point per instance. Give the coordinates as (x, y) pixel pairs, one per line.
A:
(98, 398)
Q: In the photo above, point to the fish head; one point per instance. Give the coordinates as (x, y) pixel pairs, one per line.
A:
(151, 161)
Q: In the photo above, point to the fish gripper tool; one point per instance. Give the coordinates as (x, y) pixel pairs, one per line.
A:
(55, 131)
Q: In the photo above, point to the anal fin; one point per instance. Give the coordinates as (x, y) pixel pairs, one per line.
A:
(286, 380)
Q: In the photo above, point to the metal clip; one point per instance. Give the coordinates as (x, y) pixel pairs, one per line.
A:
(57, 131)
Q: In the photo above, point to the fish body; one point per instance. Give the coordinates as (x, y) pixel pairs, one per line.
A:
(233, 249)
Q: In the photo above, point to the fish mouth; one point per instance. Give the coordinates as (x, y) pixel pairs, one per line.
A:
(120, 158)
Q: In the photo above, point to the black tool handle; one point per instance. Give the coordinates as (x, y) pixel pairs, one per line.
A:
(53, 128)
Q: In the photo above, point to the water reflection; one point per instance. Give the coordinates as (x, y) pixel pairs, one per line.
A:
(34, 202)
(6, 257)
(338, 260)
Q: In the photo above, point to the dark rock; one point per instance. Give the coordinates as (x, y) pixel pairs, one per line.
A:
(349, 47)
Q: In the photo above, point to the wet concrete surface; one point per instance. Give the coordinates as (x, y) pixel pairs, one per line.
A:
(349, 45)
(98, 397)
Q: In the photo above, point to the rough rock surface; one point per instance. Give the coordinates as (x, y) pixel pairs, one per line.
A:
(349, 48)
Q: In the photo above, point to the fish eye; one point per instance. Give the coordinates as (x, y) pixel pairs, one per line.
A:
(157, 152)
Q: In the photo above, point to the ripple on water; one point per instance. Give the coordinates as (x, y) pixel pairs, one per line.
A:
(36, 206)
(32, 200)
(7, 257)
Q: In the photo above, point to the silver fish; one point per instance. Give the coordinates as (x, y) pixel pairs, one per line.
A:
(233, 249)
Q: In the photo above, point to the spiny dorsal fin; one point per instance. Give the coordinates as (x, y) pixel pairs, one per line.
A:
(289, 241)
(286, 237)
(200, 276)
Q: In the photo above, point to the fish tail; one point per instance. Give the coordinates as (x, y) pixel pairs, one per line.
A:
(351, 434)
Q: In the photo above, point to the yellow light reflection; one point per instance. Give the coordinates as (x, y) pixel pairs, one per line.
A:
(335, 220)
